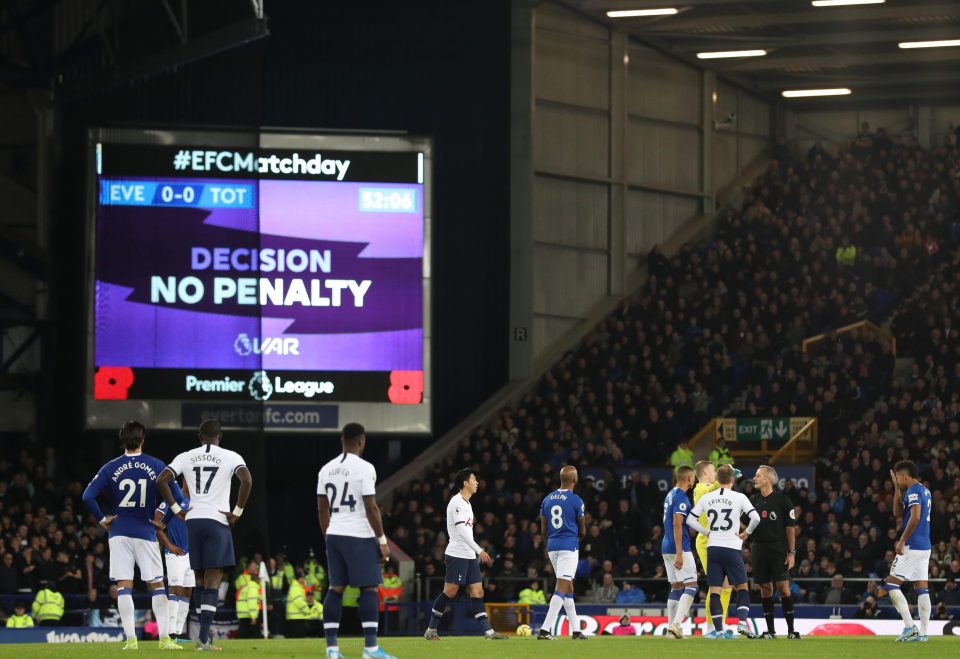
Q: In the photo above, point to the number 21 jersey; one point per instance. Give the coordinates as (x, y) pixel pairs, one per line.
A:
(344, 481)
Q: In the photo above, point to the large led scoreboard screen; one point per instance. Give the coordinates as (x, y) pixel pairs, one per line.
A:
(268, 280)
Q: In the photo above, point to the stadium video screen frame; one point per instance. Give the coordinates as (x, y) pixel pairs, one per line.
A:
(269, 279)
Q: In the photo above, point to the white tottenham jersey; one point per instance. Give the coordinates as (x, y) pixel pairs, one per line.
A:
(345, 480)
(460, 524)
(208, 471)
(724, 508)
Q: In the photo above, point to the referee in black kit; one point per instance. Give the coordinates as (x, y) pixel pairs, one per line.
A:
(773, 547)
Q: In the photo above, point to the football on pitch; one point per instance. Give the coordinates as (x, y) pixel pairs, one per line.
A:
(523, 630)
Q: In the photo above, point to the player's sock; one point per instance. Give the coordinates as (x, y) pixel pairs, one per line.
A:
(768, 612)
(480, 614)
(900, 602)
(716, 612)
(182, 612)
(743, 605)
(369, 617)
(672, 602)
(725, 595)
(786, 603)
(160, 613)
(556, 603)
(173, 613)
(125, 607)
(439, 606)
(570, 607)
(923, 608)
(208, 609)
(686, 601)
(332, 607)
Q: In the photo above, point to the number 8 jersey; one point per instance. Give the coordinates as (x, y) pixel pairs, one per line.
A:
(344, 481)
(562, 508)
(208, 471)
(724, 508)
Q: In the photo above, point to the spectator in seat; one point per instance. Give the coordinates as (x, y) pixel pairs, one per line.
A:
(868, 609)
(682, 456)
(19, 619)
(608, 591)
(720, 455)
(631, 594)
(9, 575)
(532, 594)
(838, 593)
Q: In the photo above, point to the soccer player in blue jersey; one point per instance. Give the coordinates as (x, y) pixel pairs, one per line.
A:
(181, 580)
(130, 482)
(562, 525)
(676, 549)
(911, 500)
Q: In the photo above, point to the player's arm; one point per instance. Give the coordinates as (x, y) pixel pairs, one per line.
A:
(90, 494)
(166, 477)
(368, 490)
(694, 524)
(162, 536)
(754, 521)
(897, 496)
(912, 523)
(543, 530)
(323, 513)
(582, 531)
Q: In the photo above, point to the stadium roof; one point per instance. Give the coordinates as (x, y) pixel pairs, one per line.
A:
(808, 47)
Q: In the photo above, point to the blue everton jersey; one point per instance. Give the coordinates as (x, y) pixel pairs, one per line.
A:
(130, 483)
(917, 495)
(176, 528)
(562, 508)
(675, 503)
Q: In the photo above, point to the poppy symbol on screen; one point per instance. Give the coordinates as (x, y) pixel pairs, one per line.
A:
(406, 387)
(112, 382)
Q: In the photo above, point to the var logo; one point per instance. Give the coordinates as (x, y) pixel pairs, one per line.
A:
(268, 345)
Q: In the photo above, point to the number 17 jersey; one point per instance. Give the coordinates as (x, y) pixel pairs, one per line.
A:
(562, 508)
(208, 471)
(344, 481)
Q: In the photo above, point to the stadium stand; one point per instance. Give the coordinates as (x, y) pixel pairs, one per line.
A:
(822, 242)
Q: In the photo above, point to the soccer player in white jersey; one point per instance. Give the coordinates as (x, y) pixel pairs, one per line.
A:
(724, 508)
(463, 557)
(209, 470)
(356, 545)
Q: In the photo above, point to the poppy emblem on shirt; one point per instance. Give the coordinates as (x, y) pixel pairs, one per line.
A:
(764, 514)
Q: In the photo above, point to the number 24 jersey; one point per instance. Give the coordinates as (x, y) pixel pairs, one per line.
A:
(344, 481)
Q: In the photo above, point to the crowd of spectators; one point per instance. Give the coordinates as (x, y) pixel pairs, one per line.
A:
(820, 243)
(866, 233)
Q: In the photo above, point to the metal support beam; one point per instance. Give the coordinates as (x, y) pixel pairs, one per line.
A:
(831, 61)
(685, 42)
(810, 16)
(617, 191)
(784, 80)
(522, 108)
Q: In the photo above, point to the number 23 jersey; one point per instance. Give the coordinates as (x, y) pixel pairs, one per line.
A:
(724, 508)
(344, 481)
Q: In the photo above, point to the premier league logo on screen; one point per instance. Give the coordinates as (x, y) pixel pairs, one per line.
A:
(242, 345)
(259, 386)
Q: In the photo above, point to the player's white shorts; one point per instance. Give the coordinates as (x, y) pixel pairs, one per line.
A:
(179, 572)
(564, 563)
(126, 552)
(686, 574)
(913, 565)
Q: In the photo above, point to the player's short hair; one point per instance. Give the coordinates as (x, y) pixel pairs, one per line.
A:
(132, 434)
(352, 432)
(682, 473)
(725, 474)
(210, 429)
(701, 467)
(462, 476)
(908, 466)
(771, 472)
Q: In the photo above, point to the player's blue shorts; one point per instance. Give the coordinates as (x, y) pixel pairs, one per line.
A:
(725, 562)
(353, 561)
(462, 571)
(211, 544)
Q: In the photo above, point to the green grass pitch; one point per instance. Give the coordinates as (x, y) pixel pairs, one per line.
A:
(522, 648)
